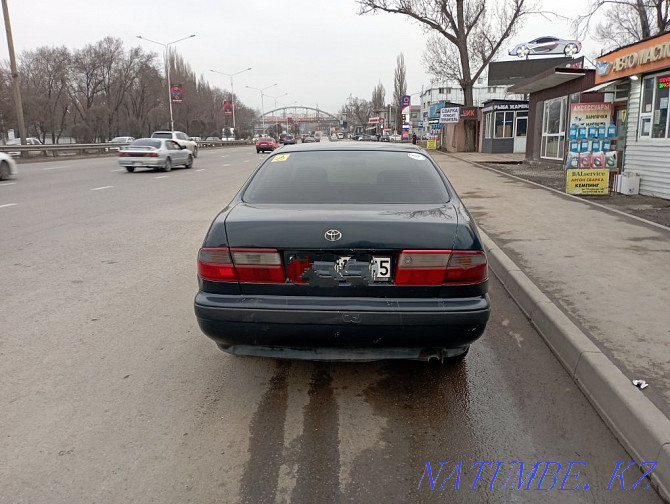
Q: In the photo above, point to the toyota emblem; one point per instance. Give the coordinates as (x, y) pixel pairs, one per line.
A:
(332, 235)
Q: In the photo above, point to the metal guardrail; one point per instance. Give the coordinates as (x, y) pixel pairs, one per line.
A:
(82, 149)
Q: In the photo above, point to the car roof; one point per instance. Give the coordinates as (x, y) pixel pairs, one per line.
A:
(351, 146)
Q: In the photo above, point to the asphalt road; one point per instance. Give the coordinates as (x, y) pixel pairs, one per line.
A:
(110, 393)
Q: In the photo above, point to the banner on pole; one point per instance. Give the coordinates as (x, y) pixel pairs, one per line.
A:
(177, 93)
(228, 108)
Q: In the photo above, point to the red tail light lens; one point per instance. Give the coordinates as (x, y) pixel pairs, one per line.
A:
(241, 265)
(124, 154)
(152, 154)
(441, 267)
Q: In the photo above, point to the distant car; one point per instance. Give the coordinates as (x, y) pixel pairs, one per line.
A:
(264, 144)
(155, 153)
(384, 138)
(17, 141)
(546, 45)
(395, 138)
(213, 141)
(309, 139)
(120, 140)
(289, 140)
(340, 136)
(344, 252)
(333, 138)
(367, 138)
(7, 166)
(179, 137)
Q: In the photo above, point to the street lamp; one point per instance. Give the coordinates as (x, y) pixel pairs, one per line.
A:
(262, 108)
(167, 68)
(275, 99)
(232, 90)
(286, 105)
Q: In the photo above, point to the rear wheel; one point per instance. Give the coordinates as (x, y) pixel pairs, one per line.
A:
(4, 170)
(258, 151)
(189, 162)
(130, 169)
(168, 165)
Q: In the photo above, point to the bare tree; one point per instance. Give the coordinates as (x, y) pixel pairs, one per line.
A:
(357, 110)
(378, 100)
(466, 27)
(625, 21)
(399, 88)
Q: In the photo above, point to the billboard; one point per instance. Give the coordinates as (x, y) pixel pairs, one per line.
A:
(449, 115)
(228, 108)
(177, 93)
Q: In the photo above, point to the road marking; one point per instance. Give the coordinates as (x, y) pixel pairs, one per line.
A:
(8, 205)
(246, 160)
(7, 183)
(225, 155)
(162, 176)
(56, 167)
(227, 164)
(103, 187)
(201, 169)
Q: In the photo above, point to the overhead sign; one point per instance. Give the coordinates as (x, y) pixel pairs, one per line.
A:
(646, 56)
(449, 115)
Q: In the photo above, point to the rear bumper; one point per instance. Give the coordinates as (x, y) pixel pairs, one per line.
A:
(304, 327)
(142, 162)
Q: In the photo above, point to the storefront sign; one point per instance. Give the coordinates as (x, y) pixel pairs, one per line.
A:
(649, 55)
(590, 114)
(449, 115)
(468, 112)
(587, 182)
(663, 82)
(506, 106)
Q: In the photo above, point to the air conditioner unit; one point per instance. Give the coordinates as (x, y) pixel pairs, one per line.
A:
(627, 183)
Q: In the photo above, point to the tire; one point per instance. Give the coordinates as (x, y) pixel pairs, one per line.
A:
(195, 151)
(189, 162)
(168, 165)
(130, 169)
(4, 170)
(258, 151)
(570, 50)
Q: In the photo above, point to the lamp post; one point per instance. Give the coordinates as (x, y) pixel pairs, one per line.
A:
(285, 116)
(232, 89)
(167, 68)
(262, 108)
(275, 99)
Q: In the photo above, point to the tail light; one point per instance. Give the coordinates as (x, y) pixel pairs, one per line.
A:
(124, 154)
(151, 154)
(241, 265)
(441, 267)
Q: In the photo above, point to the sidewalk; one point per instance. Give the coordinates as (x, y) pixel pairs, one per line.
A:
(607, 272)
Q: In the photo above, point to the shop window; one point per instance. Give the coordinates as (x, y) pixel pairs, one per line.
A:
(654, 106)
(504, 124)
(487, 125)
(553, 128)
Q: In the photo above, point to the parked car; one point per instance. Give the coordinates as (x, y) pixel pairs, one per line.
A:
(546, 45)
(29, 141)
(395, 138)
(179, 137)
(384, 138)
(7, 166)
(344, 251)
(367, 138)
(155, 153)
(120, 140)
(340, 136)
(264, 144)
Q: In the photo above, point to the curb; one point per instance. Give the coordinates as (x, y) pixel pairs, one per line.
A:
(642, 429)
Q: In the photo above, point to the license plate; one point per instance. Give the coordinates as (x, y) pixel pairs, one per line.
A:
(381, 268)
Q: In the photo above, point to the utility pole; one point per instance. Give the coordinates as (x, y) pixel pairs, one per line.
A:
(15, 78)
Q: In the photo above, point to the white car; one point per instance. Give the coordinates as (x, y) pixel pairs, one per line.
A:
(179, 137)
(29, 141)
(7, 166)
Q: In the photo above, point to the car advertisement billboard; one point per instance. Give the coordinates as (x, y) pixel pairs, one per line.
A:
(177, 93)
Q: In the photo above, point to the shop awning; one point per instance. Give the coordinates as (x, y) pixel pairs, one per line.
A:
(605, 87)
(548, 79)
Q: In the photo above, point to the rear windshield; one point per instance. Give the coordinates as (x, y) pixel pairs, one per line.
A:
(359, 177)
(266, 139)
(165, 134)
(146, 142)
